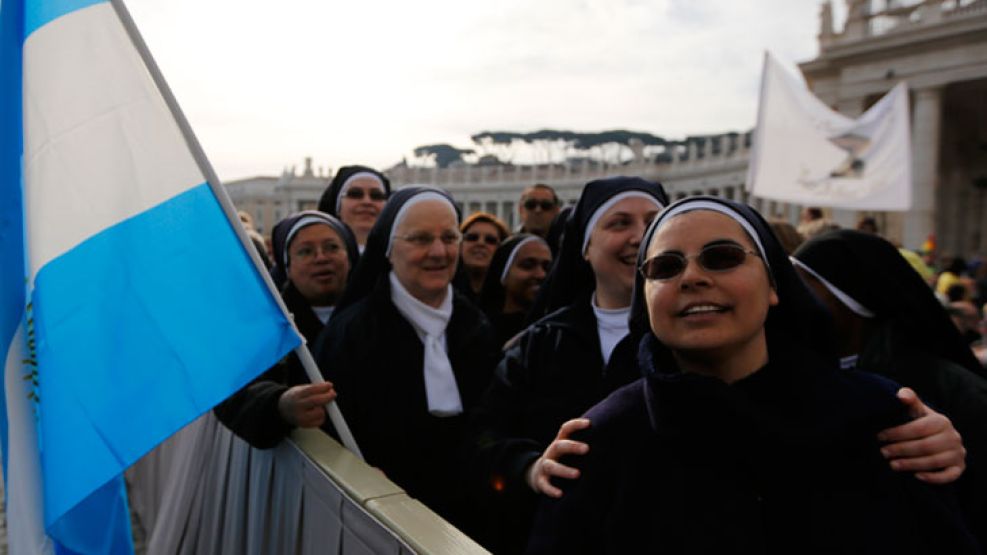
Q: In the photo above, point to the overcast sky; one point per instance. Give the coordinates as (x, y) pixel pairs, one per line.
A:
(265, 84)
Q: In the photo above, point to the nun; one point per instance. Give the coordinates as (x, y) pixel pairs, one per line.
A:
(356, 195)
(408, 354)
(889, 322)
(744, 436)
(517, 270)
(568, 360)
(317, 251)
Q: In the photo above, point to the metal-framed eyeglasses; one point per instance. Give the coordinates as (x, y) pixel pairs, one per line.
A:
(720, 257)
(424, 240)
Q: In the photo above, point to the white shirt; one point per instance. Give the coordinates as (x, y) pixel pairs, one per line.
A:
(612, 326)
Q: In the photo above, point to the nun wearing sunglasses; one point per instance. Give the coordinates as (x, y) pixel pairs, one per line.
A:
(356, 195)
(745, 436)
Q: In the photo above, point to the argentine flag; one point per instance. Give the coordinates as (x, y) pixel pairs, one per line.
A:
(128, 302)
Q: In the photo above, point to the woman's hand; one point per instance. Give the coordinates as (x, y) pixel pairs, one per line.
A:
(540, 472)
(929, 445)
(304, 405)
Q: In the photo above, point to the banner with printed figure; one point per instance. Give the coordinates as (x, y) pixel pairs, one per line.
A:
(806, 153)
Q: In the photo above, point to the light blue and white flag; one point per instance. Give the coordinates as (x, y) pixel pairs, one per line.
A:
(128, 302)
(806, 153)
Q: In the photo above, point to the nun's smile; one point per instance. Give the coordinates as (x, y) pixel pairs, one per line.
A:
(708, 313)
(613, 245)
(426, 249)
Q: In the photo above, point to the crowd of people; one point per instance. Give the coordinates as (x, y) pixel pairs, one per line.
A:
(629, 374)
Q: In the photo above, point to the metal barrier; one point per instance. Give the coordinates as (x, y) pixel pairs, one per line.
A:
(206, 491)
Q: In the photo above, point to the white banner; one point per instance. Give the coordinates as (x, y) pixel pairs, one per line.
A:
(806, 153)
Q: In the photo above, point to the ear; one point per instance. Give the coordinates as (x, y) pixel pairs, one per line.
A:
(773, 297)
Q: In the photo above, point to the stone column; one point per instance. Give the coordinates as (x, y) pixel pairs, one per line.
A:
(926, 122)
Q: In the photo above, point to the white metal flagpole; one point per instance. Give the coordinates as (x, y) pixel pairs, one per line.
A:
(311, 369)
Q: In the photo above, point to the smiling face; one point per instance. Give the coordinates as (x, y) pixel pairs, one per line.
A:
(360, 211)
(426, 270)
(526, 275)
(480, 240)
(318, 264)
(716, 316)
(612, 249)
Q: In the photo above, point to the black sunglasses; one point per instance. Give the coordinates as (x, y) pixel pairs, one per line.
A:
(714, 258)
(545, 205)
(491, 240)
(357, 193)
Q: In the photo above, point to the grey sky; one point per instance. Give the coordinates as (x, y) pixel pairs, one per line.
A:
(265, 84)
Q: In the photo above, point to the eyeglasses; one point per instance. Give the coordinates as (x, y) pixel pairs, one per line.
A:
(356, 193)
(714, 258)
(425, 240)
(545, 205)
(473, 237)
(307, 252)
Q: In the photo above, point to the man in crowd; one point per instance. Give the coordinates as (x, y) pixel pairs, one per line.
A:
(538, 207)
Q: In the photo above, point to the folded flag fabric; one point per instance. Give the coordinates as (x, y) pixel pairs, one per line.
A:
(129, 304)
(804, 152)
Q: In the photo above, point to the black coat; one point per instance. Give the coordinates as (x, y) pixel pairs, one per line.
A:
(374, 357)
(948, 388)
(682, 463)
(252, 412)
(552, 373)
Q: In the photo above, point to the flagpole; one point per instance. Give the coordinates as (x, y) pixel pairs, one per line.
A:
(311, 369)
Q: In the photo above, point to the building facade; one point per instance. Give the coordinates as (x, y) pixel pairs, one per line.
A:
(939, 47)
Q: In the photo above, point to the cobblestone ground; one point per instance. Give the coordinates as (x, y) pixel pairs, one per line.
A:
(140, 537)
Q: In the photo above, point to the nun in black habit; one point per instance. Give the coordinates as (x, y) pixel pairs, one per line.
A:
(516, 272)
(889, 322)
(744, 436)
(356, 195)
(260, 412)
(410, 356)
(566, 361)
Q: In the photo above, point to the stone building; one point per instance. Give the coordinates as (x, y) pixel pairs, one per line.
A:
(269, 199)
(939, 47)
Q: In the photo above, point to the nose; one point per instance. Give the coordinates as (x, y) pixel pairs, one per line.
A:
(436, 248)
(540, 272)
(638, 232)
(693, 275)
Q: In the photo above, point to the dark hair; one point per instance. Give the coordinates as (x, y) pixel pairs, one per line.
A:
(524, 193)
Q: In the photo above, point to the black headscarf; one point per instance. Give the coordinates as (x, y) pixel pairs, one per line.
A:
(493, 294)
(279, 236)
(572, 277)
(873, 273)
(374, 263)
(330, 197)
(556, 230)
(798, 321)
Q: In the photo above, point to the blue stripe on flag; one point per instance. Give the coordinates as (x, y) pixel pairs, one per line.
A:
(142, 328)
(100, 524)
(12, 275)
(40, 13)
